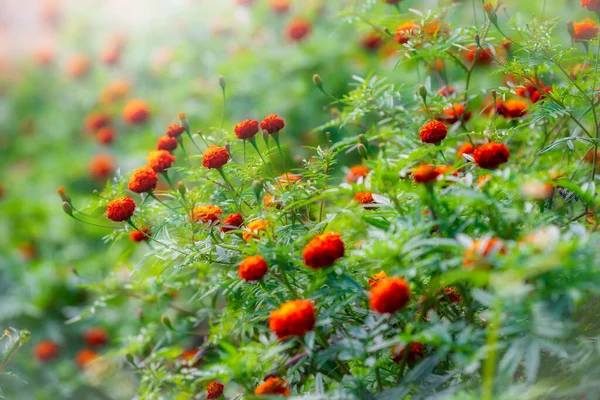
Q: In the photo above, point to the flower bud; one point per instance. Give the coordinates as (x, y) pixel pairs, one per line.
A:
(317, 81)
(222, 82)
(67, 208)
(166, 322)
(362, 139)
(571, 29)
(181, 188)
(130, 360)
(477, 40)
(387, 31)
(257, 187)
(63, 194)
(491, 13)
(228, 147)
(423, 92)
(362, 150)
(184, 121)
(265, 135)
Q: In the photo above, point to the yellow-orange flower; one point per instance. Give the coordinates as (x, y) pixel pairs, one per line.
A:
(480, 250)
(160, 160)
(364, 197)
(84, 357)
(585, 30)
(208, 214)
(378, 277)
(294, 318)
(232, 222)
(215, 157)
(136, 112)
(356, 172)
(424, 173)
(389, 295)
(272, 386)
(143, 180)
(254, 228)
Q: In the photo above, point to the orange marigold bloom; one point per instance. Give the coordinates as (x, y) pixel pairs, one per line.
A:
(364, 197)
(253, 268)
(166, 143)
(378, 277)
(482, 249)
(484, 56)
(323, 250)
(136, 112)
(591, 5)
(116, 90)
(190, 358)
(97, 120)
(433, 132)
(160, 160)
(143, 180)
(207, 214)
(175, 130)
(95, 337)
(84, 357)
(371, 41)
(137, 236)
(246, 129)
(298, 29)
(253, 229)
(405, 31)
(585, 30)
(231, 222)
(294, 318)
(272, 386)
(280, 6)
(214, 390)
(215, 157)
(455, 113)
(443, 169)
(357, 172)
(288, 177)
(483, 179)
(447, 91)
(110, 54)
(78, 66)
(272, 123)
(389, 295)
(120, 209)
(102, 166)
(512, 108)
(269, 201)
(46, 351)
(465, 148)
(491, 155)
(424, 173)
(416, 351)
(105, 135)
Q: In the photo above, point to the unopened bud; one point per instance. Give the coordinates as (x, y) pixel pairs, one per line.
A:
(317, 81)
(362, 139)
(67, 208)
(265, 135)
(63, 194)
(222, 82)
(184, 121)
(362, 150)
(477, 40)
(494, 94)
(491, 13)
(228, 147)
(166, 322)
(130, 360)
(181, 188)
(387, 31)
(571, 29)
(257, 187)
(423, 93)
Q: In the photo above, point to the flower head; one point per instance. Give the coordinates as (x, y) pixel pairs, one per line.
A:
(481, 250)
(357, 172)
(207, 214)
(78, 66)
(298, 29)
(166, 143)
(215, 157)
(433, 132)
(120, 209)
(160, 160)
(378, 277)
(513, 108)
(272, 123)
(231, 222)
(405, 31)
(253, 268)
(591, 5)
(254, 228)
(136, 112)
(289, 178)
(484, 56)
(294, 318)
(424, 173)
(273, 385)
(46, 351)
(214, 390)
(465, 148)
(95, 337)
(446, 91)
(371, 41)
(491, 155)
(246, 129)
(137, 236)
(364, 197)
(102, 166)
(174, 130)
(389, 295)
(97, 120)
(416, 351)
(105, 135)
(323, 250)
(455, 113)
(84, 357)
(143, 180)
(115, 90)
(585, 30)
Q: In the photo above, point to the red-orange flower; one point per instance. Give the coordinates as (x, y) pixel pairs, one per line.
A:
(443, 169)
(480, 250)
(483, 179)
(424, 173)
(231, 222)
(190, 358)
(115, 90)
(273, 385)
(78, 66)
(160, 160)
(215, 157)
(46, 351)
(136, 112)
(371, 41)
(95, 337)
(102, 166)
(253, 268)
(143, 180)
(253, 229)
(378, 277)
(288, 178)
(512, 108)
(298, 30)
(120, 209)
(214, 390)
(405, 31)
(246, 129)
(84, 357)
(280, 6)
(97, 120)
(294, 318)
(323, 250)
(433, 132)
(465, 148)
(447, 91)
(174, 130)
(416, 351)
(364, 197)
(208, 214)
(592, 5)
(491, 155)
(137, 236)
(166, 143)
(389, 295)
(585, 30)
(357, 172)
(272, 123)
(484, 56)
(105, 135)
(270, 201)
(455, 113)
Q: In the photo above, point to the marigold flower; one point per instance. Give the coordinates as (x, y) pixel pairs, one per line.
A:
(120, 209)
(105, 135)
(512, 108)
(294, 318)
(272, 386)
(190, 358)
(447, 91)
(484, 56)
(215, 157)
(455, 113)
(207, 214)
(288, 178)
(110, 54)
(491, 155)
(433, 132)
(78, 66)
(483, 179)
(585, 30)
(443, 169)
(166, 143)
(450, 294)
(97, 120)
(143, 180)
(160, 160)
(298, 29)
(323, 250)
(231, 222)
(44, 55)
(378, 277)
(405, 31)
(465, 148)
(389, 295)
(272, 123)
(357, 172)
(175, 130)
(214, 390)
(371, 41)
(416, 351)
(136, 112)
(591, 5)
(102, 166)
(95, 337)
(270, 201)
(364, 197)
(280, 6)
(480, 250)
(137, 236)
(424, 173)
(46, 351)
(253, 229)
(116, 90)
(84, 357)
(535, 190)
(246, 129)
(253, 268)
